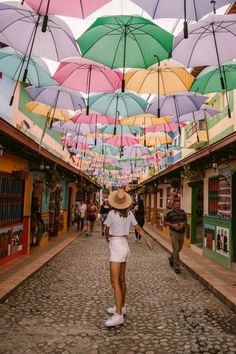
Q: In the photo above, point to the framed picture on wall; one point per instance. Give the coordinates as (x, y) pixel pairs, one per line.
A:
(222, 241)
(209, 237)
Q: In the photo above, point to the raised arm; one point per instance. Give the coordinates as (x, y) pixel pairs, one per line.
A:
(144, 236)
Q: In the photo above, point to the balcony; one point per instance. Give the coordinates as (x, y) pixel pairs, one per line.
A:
(196, 136)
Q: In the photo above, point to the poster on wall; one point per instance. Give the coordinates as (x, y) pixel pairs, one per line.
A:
(5, 242)
(222, 241)
(209, 237)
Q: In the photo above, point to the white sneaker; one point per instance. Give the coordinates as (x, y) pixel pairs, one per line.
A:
(115, 320)
(112, 310)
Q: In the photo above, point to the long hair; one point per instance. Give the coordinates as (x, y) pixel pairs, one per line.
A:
(140, 206)
(122, 212)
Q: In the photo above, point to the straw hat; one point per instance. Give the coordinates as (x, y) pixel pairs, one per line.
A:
(119, 199)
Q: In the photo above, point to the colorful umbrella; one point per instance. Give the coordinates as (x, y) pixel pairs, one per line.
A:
(177, 104)
(126, 42)
(87, 76)
(145, 120)
(13, 64)
(157, 139)
(121, 129)
(215, 34)
(76, 8)
(165, 148)
(164, 78)
(106, 149)
(166, 127)
(186, 9)
(118, 104)
(136, 151)
(204, 113)
(56, 44)
(48, 111)
(121, 140)
(57, 97)
(92, 118)
(210, 78)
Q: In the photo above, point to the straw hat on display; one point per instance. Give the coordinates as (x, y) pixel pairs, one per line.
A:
(119, 199)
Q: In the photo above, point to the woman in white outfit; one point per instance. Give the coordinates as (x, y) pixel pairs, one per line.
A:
(118, 223)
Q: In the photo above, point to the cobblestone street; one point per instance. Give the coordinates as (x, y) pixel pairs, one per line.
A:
(62, 307)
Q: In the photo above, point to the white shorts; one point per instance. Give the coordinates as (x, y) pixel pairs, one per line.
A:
(119, 249)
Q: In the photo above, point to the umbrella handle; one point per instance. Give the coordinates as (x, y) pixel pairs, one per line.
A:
(185, 29)
(45, 23)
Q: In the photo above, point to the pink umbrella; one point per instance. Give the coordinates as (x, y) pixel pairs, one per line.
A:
(92, 118)
(169, 127)
(75, 8)
(87, 76)
(122, 140)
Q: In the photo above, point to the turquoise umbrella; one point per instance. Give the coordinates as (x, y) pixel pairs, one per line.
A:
(125, 42)
(121, 129)
(106, 149)
(13, 64)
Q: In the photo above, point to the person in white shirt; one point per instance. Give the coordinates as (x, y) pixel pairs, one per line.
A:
(81, 212)
(118, 223)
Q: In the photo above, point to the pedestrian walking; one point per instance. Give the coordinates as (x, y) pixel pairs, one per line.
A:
(104, 210)
(176, 219)
(139, 216)
(80, 213)
(118, 223)
(92, 211)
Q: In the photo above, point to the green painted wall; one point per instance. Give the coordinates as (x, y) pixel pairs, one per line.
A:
(215, 222)
(194, 216)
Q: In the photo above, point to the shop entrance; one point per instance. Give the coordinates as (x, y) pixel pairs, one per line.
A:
(37, 225)
(197, 214)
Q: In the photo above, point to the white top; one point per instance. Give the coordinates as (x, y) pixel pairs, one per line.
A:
(82, 210)
(118, 225)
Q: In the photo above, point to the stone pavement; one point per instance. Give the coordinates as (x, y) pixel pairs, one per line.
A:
(61, 308)
(218, 279)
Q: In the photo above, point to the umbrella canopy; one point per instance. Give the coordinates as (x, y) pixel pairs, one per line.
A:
(56, 44)
(177, 105)
(165, 78)
(215, 34)
(87, 76)
(121, 129)
(92, 118)
(73, 140)
(145, 120)
(57, 97)
(118, 104)
(13, 64)
(69, 126)
(106, 149)
(47, 111)
(127, 41)
(136, 151)
(165, 148)
(166, 127)
(122, 140)
(186, 9)
(77, 8)
(209, 80)
(203, 113)
(156, 139)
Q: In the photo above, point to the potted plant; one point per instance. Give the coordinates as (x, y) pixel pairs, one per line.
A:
(53, 178)
(192, 175)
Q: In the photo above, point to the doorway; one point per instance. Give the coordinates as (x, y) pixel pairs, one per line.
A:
(233, 217)
(197, 213)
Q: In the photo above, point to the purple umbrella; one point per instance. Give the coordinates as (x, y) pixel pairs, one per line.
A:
(176, 104)
(20, 28)
(186, 9)
(57, 97)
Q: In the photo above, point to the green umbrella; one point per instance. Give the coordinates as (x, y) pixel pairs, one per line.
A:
(112, 167)
(125, 42)
(121, 129)
(106, 149)
(210, 80)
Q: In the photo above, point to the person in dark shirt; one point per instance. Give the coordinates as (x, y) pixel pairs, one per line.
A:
(138, 211)
(104, 210)
(176, 219)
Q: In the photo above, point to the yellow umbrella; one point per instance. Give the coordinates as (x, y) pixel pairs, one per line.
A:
(47, 111)
(156, 139)
(164, 78)
(145, 119)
